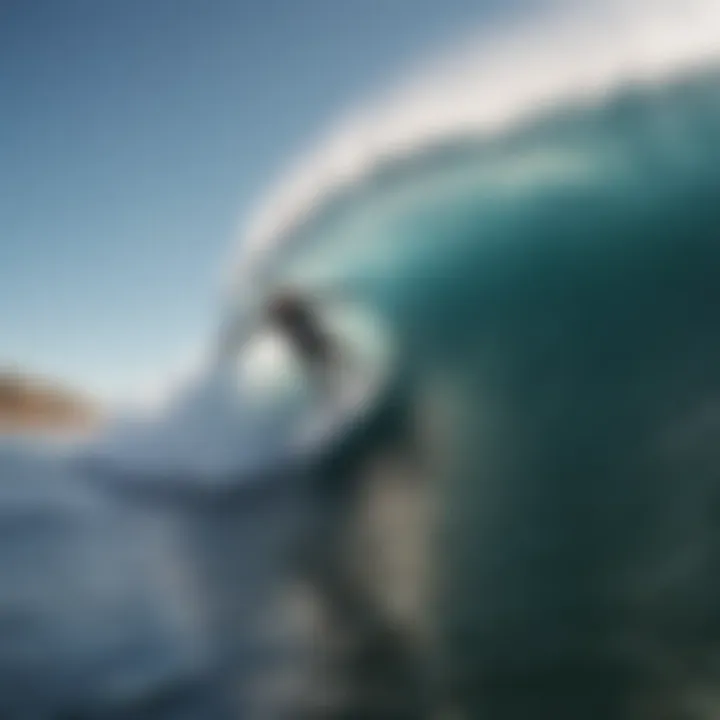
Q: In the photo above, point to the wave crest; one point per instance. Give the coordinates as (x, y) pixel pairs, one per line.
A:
(484, 89)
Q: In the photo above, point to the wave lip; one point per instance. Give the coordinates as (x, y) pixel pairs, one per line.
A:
(483, 90)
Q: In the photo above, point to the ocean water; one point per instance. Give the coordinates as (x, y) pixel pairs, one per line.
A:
(556, 281)
(540, 244)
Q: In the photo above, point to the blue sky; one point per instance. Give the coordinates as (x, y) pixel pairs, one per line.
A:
(135, 135)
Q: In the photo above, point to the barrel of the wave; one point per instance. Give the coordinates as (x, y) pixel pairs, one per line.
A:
(562, 286)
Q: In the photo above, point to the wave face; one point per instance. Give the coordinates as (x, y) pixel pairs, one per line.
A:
(554, 272)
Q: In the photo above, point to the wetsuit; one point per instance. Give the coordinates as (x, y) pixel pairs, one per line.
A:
(298, 321)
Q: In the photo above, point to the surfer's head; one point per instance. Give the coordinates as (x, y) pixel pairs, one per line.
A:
(288, 309)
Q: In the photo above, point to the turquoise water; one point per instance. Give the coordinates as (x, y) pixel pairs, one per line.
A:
(558, 282)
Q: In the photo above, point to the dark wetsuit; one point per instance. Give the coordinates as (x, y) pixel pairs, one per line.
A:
(297, 320)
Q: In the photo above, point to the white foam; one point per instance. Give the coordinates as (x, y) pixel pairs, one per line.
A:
(248, 416)
(484, 87)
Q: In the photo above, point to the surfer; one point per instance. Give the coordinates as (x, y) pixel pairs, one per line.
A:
(295, 317)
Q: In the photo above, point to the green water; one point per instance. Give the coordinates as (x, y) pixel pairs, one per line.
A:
(560, 284)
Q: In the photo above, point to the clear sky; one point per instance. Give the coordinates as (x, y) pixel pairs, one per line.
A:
(135, 135)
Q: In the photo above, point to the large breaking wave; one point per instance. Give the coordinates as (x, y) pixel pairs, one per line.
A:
(537, 222)
(537, 219)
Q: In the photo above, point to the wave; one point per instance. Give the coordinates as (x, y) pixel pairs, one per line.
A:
(536, 220)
